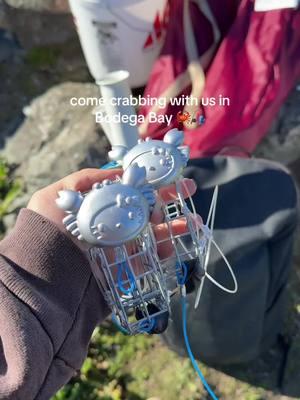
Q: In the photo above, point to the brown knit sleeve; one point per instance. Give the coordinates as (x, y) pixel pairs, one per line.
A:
(49, 306)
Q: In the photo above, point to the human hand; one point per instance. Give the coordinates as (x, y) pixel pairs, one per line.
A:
(43, 203)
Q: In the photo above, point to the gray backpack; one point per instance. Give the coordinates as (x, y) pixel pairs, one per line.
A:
(255, 221)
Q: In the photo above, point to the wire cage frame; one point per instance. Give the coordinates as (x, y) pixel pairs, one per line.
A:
(188, 245)
(133, 282)
(195, 243)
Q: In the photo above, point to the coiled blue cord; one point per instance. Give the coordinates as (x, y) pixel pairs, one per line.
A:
(144, 326)
(188, 347)
(123, 267)
(111, 165)
(181, 275)
(118, 325)
(147, 326)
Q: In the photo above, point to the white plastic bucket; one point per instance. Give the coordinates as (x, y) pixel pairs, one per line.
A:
(120, 34)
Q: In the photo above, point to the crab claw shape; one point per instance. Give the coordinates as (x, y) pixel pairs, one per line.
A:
(174, 137)
(134, 176)
(117, 153)
(69, 201)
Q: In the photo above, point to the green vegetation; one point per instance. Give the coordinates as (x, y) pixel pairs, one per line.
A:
(104, 373)
(133, 368)
(120, 367)
(9, 189)
(42, 57)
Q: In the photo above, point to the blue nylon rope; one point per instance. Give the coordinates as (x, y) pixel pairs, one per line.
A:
(188, 347)
(181, 275)
(118, 325)
(111, 165)
(123, 267)
(146, 327)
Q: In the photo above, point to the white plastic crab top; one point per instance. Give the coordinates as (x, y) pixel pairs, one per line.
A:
(112, 213)
(163, 160)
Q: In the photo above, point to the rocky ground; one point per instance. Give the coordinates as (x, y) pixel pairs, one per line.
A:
(44, 138)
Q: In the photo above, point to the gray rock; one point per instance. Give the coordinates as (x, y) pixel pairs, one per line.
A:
(40, 5)
(3, 18)
(286, 151)
(282, 144)
(56, 138)
(39, 23)
(9, 221)
(8, 46)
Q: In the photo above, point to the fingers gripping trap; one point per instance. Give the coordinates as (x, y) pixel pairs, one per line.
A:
(114, 218)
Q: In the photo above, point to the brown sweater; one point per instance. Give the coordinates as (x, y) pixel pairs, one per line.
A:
(49, 306)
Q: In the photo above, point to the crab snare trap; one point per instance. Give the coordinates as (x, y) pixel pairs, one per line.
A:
(115, 219)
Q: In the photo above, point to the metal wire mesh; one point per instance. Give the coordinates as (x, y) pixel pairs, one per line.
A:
(133, 278)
